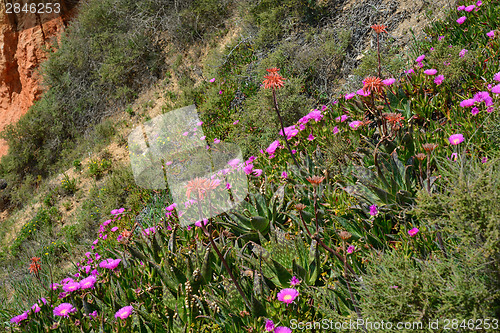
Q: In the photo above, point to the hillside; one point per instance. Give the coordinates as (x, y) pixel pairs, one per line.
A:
(383, 184)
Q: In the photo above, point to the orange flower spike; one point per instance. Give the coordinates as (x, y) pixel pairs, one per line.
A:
(373, 84)
(379, 28)
(35, 266)
(273, 80)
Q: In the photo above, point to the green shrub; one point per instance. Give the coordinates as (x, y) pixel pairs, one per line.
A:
(97, 167)
(397, 288)
(78, 165)
(69, 185)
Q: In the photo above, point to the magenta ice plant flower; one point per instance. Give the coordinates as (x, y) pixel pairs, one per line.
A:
(124, 312)
(461, 20)
(272, 147)
(212, 80)
(460, 8)
(117, 211)
(373, 210)
(456, 139)
(248, 169)
(362, 92)
(431, 71)
(496, 77)
(171, 207)
(71, 286)
(466, 103)
(439, 79)
(315, 114)
(88, 282)
(355, 124)
(310, 137)
(64, 310)
(257, 172)
(412, 232)
(474, 111)
(282, 329)
(350, 249)
(350, 95)
(110, 263)
(19, 318)
(342, 118)
(294, 281)
(496, 89)
(388, 82)
(335, 130)
(237, 121)
(269, 325)
(420, 58)
(462, 53)
(36, 308)
(198, 223)
(288, 295)
(470, 8)
(284, 175)
(491, 34)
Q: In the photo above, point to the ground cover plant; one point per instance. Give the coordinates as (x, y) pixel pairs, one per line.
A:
(378, 205)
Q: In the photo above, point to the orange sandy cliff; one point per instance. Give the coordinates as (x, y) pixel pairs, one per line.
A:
(22, 41)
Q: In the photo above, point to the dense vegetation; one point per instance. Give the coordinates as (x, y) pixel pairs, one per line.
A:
(372, 204)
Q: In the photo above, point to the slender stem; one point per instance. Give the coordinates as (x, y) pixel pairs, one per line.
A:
(283, 129)
(219, 254)
(429, 172)
(378, 52)
(304, 224)
(353, 300)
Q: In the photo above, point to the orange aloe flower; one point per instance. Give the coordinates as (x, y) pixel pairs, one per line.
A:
(35, 266)
(198, 185)
(379, 28)
(373, 84)
(273, 80)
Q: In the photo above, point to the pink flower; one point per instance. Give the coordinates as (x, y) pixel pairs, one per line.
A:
(212, 80)
(290, 132)
(349, 96)
(88, 282)
(114, 229)
(124, 312)
(198, 223)
(288, 295)
(171, 207)
(257, 172)
(220, 92)
(440, 38)
(361, 92)
(310, 137)
(284, 175)
(373, 210)
(199, 123)
(282, 329)
(335, 130)
(410, 71)
(350, 249)
(19, 318)
(496, 89)
(64, 309)
(228, 186)
(248, 169)
(117, 211)
(491, 34)
(342, 118)
(460, 8)
(272, 147)
(479, 3)
(388, 82)
(203, 137)
(456, 139)
(496, 77)
(237, 121)
(470, 8)
(110, 263)
(484, 159)
(431, 71)
(294, 281)
(461, 19)
(315, 114)
(355, 124)
(462, 53)
(216, 140)
(413, 232)
(420, 58)
(439, 79)
(36, 308)
(269, 325)
(467, 103)
(420, 64)
(474, 111)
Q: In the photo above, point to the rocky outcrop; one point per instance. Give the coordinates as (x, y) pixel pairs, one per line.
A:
(23, 37)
